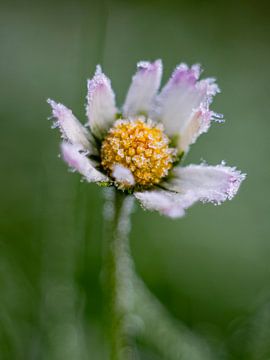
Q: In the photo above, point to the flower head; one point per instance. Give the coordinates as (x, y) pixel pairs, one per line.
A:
(139, 148)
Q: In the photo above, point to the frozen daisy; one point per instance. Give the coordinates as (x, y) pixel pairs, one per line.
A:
(139, 148)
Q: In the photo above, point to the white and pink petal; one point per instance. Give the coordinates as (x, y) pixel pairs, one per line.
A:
(100, 109)
(77, 159)
(182, 98)
(72, 130)
(205, 183)
(144, 86)
(192, 184)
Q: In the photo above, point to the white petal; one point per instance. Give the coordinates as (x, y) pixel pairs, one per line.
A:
(144, 86)
(183, 104)
(165, 202)
(198, 123)
(71, 129)
(100, 108)
(205, 183)
(193, 183)
(122, 175)
(76, 158)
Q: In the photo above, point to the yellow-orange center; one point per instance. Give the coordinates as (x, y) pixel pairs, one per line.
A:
(139, 146)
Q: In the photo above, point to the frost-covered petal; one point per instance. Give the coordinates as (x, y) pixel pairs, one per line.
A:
(76, 158)
(144, 86)
(71, 129)
(205, 183)
(165, 202)
(183, 104)
(123, 175)
(191, 184)
(198, 124)
(100, 108)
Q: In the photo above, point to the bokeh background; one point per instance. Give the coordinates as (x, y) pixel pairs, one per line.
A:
(211, 268)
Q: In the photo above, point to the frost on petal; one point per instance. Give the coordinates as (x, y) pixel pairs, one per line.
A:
(144, 86)
(205, 183)
(183, 104)
(76, 158)
(71, 129)
(165, 202)
(100, 108)
(198, 124)
(122, 175)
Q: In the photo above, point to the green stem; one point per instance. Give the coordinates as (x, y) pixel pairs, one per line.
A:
(134, 311)
(119, 270)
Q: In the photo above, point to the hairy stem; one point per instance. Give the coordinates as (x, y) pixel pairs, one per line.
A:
(118, 277)
(134, 312)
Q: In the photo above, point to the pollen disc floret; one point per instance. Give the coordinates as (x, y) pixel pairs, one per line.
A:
(142, 147)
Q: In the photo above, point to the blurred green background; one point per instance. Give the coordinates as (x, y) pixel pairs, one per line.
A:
(211, 268)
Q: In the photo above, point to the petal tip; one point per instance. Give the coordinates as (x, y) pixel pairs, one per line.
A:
(232, 181)
(183, 73)
(51, 102)
(59, 110)
(98, 70)
(148, 67)
(235, 180)
(99, 81)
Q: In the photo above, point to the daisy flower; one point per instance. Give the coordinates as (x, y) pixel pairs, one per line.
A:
(139, 148)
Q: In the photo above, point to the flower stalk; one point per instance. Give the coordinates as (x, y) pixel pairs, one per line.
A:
(133, 311)
(119, 273)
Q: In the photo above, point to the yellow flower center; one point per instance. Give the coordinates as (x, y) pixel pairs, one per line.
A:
(139, 146)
